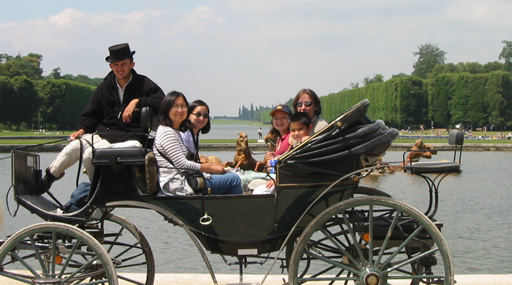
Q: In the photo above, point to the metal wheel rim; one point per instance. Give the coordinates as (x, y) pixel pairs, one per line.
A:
(55, 253)
(341, 261)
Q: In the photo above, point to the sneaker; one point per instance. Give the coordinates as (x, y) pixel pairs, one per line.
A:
(44, 184)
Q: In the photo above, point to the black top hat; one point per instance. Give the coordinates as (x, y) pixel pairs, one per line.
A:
(119, 52)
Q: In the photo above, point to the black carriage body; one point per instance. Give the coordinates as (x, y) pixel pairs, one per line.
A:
(251, 224)
(243, 224)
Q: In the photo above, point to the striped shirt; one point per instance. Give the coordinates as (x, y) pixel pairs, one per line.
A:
(172, 181)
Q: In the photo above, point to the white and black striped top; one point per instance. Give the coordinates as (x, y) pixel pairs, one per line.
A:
(172, 181)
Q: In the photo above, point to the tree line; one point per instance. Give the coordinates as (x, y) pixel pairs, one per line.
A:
(436, 94)
(29, 100)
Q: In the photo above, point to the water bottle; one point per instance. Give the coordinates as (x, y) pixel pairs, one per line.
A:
(273, 164)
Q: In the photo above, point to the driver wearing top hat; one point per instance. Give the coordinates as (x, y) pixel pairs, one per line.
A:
(109, 113)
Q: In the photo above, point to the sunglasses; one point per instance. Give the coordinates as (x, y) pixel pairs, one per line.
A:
(199, 115)
(299, 104)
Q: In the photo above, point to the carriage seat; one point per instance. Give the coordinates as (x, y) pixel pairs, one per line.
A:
(121, 155)
(455, 140)
(131, 156)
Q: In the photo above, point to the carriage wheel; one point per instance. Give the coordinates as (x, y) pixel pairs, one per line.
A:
(373, 241)
(55, 253)
(129, 249)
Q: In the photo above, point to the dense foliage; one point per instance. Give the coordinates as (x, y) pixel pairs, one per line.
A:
(473, 100)
(30, 100)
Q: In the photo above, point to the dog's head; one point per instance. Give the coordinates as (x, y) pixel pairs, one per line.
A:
(271, 140)
(242, 142)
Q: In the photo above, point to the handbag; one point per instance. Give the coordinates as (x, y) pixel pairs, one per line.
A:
(195, 179)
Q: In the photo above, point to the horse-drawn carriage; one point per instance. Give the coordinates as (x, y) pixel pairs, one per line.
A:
(320, 223)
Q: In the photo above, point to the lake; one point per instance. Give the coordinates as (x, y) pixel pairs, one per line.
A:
(474, 207)
(231, 131)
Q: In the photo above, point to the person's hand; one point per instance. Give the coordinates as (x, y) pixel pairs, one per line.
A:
(77, 134)
(269, 156)
(128, 111)
(213, 168)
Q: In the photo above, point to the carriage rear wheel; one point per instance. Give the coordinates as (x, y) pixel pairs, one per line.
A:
(128, 248)
(372, 241)
(55, 253)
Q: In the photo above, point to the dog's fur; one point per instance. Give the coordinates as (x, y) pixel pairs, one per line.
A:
(210, 159)
(243, 157)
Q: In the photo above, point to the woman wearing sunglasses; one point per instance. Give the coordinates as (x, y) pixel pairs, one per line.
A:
(308, 102)
(198, 122)
(171, 155)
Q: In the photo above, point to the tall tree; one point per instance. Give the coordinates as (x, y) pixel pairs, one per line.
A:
(52, 95)
(429, 55)
(24, 102)
(6, 91)
(506, 55)
(377, 78)
(19, 101)
(506, 52)
(29, 66)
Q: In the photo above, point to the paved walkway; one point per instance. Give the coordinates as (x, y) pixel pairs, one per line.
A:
(232, 279)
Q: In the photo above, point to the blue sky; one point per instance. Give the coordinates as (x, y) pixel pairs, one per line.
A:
(234, 53)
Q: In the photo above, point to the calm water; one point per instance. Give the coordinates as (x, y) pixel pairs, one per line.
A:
(231, 131)
(475, 210)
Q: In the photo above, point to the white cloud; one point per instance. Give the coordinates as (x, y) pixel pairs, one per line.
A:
(234, 53)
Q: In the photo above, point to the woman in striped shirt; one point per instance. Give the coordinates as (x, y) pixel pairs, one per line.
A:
(168, 143)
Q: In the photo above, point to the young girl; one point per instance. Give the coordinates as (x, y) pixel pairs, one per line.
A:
(300, 128)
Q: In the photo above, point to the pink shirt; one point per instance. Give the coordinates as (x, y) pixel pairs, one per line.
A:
(283, 144)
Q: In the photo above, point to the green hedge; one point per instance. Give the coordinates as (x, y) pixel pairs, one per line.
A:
(473, 100)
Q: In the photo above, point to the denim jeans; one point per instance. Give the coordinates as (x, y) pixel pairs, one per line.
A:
(227, 183)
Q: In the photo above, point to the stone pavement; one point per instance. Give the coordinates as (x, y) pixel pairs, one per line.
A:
(233, 279)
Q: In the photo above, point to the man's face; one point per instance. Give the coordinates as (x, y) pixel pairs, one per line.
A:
(122, 69)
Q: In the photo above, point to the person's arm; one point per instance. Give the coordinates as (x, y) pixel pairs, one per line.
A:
(77, 134)
(142, 92)
(172, 147)
(212, 168)
(270, 184)
(152, 95)
(128, 111)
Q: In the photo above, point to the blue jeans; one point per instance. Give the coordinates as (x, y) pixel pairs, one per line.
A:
(228, 183)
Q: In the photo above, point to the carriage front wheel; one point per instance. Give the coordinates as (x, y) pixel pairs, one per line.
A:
(55, 253)
(372, 241)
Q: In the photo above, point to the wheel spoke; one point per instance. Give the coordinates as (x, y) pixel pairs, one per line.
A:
(57, 253)
(371, 240)
(353, 236)
(402, 246)
(128, 248)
